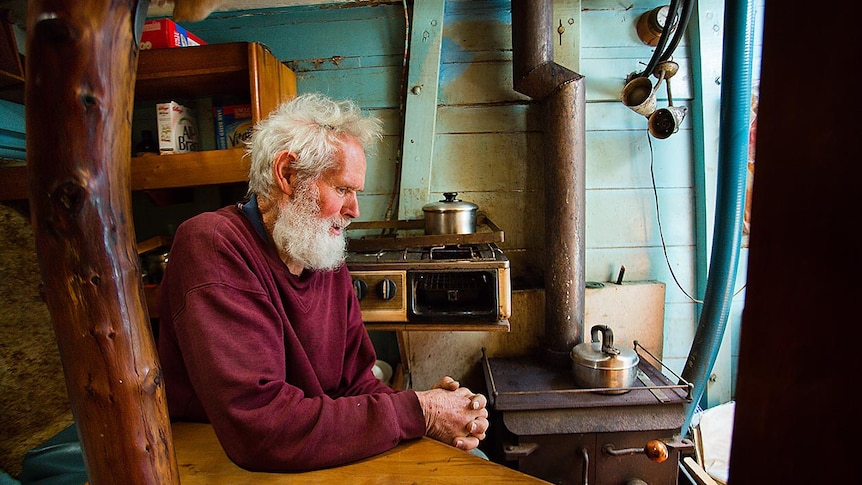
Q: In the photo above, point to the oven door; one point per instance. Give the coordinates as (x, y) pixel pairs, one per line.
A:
(452, 295)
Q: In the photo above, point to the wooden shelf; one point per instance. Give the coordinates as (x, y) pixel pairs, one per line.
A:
(189, 169)
(13, 182)
(244, 70)
(11, 64)
(154, 172)
(11, 87)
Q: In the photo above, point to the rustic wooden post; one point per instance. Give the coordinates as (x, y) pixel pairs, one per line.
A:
(81, 69)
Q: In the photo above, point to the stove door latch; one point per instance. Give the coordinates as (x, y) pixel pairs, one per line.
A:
(515, 452)
(655, 450)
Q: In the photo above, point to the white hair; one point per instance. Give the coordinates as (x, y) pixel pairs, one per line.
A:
(313, 127)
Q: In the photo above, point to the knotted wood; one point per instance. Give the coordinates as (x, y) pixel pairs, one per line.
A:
(81, 69)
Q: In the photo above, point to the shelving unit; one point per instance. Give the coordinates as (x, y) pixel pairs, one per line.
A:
(11, 67)
(241, 70)
(11, 87)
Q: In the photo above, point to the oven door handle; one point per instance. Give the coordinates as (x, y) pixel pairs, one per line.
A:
(515, 452)
(655, 450)
(586, 476)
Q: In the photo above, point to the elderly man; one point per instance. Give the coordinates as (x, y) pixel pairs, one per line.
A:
(261, 332)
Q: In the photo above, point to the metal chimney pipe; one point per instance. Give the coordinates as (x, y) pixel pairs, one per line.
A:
(563, 96)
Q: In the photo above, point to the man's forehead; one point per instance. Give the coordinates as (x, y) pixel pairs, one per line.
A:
(343, 175)
(349, 168)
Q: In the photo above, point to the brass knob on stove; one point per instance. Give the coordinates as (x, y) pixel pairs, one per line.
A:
(656, 451)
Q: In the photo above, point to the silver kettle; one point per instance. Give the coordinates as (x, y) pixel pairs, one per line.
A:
(600, 365)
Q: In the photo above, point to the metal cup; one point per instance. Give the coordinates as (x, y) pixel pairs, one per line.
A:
(639, 95)
(665, 122)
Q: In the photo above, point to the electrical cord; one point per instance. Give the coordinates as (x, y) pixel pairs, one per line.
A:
(685, 16)
(661, 232)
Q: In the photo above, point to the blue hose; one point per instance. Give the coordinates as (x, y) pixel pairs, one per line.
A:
(730, 197)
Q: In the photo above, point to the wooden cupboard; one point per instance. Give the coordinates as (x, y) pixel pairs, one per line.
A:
(246, 71)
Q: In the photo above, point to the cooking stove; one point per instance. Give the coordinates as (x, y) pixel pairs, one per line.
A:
(545, 426)
(403, 277)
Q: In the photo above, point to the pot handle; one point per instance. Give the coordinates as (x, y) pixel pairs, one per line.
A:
(607, 339)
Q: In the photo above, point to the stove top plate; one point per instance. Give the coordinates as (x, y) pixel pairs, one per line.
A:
(525, 383)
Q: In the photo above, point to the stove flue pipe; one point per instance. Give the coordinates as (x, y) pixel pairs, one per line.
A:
(563, 96)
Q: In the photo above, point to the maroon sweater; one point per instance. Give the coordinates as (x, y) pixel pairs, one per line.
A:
(279, 364)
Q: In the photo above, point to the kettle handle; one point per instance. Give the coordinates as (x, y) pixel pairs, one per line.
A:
(607, 339)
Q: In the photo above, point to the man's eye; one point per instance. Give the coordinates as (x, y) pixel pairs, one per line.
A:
(342, 190)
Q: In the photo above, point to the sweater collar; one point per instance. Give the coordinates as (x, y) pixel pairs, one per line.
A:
(252, 212)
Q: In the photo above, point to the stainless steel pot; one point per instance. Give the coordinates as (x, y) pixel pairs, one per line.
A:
(600, 365)
(450, 216)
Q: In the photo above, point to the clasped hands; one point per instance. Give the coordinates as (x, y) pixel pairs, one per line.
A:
(453, 414)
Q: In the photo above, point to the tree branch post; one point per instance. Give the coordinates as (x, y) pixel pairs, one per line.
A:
(81, 68)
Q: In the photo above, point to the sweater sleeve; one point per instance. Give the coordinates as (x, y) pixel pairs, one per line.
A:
(280, 398)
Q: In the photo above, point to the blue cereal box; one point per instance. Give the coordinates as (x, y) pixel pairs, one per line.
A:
(233, 125)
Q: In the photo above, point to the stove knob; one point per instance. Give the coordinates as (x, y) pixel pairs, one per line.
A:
(361, 288)
(656, 451)
(386, 289)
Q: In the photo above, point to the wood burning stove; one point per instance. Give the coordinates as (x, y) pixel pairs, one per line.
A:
(544, 425)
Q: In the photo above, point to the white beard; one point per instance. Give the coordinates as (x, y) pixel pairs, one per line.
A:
(301, 234)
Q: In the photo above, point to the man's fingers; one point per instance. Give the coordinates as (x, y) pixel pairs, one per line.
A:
(447, 383)
(466, 443)
(478, 427)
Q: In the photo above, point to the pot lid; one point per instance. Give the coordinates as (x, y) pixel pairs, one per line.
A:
(602, 354)
(450, 204)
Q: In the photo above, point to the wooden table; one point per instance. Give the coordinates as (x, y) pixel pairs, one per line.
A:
(202, 460)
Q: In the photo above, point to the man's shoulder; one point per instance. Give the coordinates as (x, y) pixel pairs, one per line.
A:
(210, 219)
(209, 228)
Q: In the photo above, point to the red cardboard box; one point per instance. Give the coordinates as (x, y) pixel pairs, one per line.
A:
(194, 40)
(165, 33)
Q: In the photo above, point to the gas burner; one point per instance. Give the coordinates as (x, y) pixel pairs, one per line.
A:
(450, 252)
(466, 253)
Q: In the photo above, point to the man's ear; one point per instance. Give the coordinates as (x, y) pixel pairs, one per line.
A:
(283, 171)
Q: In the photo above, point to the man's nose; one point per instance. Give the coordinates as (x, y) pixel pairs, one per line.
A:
(351, 206)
